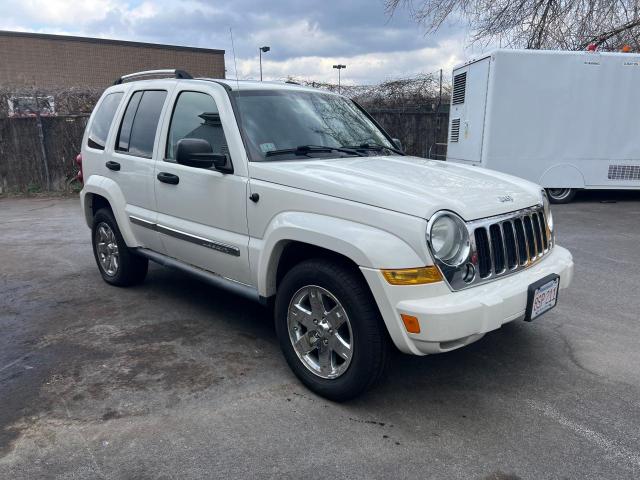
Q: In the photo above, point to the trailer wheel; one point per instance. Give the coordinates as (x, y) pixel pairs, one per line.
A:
(561, 195)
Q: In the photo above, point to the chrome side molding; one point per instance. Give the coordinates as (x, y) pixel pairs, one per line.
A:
(187, 237)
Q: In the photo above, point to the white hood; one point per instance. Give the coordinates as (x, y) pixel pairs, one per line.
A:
(410, 185)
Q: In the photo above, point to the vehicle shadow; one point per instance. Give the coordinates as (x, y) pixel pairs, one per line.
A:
(606, 196)
(504, 361)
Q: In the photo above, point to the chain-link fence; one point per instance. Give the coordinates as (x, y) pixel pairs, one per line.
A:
(37, 154)
(414, 109)
(40, 136)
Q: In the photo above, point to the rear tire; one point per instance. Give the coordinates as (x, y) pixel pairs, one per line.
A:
(358, 346)
(561, 195)
(118, 265)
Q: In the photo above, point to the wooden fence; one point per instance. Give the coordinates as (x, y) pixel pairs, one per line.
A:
(38, 154)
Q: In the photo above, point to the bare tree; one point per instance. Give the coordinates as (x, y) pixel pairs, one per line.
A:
(564, 24)
(419, 91)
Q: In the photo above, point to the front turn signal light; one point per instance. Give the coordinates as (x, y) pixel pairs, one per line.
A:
(411, 323)
(413, 276)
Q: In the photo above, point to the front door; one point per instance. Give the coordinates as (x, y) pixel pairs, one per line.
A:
(202, 218)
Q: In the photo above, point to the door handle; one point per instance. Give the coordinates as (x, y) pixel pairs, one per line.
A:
(111, 165)
(170, 178)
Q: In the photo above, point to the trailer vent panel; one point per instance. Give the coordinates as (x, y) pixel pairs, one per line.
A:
(459, 88)
(455, 130)
(624, 172)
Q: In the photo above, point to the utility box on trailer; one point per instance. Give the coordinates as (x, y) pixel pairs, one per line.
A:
(565, 120)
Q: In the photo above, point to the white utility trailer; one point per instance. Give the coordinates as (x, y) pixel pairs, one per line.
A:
(565, 120)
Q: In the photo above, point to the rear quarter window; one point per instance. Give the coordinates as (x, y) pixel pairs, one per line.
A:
(102, 120)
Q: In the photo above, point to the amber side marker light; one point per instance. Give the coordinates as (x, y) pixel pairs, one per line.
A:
(411, 323)
(413, 276)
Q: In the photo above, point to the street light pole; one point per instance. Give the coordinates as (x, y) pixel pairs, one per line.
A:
(339, 67)
(261, 50)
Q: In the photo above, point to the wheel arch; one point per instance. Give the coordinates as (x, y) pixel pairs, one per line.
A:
(296, 236)
(99, 192)
(294, 252)
(564, 175)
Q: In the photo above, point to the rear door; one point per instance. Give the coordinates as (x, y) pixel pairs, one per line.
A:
(202, 213)
(133, 159)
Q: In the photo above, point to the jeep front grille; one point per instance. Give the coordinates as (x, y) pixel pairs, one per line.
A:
(503, 245)
(500, 250)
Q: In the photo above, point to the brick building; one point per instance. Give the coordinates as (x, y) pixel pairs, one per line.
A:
(40, 61)
(49, 85)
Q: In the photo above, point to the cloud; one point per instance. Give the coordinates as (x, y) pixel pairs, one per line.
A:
(361, 69)
(305, 37)
(54, 13)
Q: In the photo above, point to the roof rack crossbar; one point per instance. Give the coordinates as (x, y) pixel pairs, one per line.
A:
(153, 73)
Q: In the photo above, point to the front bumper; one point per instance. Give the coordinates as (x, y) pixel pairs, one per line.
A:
(449, 320)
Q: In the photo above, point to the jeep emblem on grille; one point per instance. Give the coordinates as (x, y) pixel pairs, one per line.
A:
(505, 198)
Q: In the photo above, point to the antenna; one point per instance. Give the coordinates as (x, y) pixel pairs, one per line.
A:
(235, 65)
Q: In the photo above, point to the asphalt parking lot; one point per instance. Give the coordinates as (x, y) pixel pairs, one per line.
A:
(174, 379)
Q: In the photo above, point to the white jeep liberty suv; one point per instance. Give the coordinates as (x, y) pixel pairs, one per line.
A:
(297, 198)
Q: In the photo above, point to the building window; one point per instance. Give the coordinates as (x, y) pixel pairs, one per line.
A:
(30, 106)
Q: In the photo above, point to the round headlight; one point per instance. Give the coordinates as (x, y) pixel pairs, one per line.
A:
(449, 239)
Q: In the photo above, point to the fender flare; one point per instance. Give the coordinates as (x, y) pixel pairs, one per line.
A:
(366, 246)
(107, 188)
(563, 175)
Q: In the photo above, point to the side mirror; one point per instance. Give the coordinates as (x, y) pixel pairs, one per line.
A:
(398, 144)
(197, 152)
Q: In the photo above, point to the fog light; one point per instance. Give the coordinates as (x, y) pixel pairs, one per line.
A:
(411, 323)
(413, 276)
(469, 273)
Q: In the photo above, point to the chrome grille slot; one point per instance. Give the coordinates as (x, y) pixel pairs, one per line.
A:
(531, 241)
(538, 232)
(484, 254)
(510, 244)
(502, 245)
(497, 248)
(543, 226)
(523, 252)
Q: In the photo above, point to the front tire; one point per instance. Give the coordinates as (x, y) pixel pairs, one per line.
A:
(561, 195)
(118, 265)
(330, 329)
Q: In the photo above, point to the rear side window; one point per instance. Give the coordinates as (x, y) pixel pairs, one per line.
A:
(140, 121)
(102, 121)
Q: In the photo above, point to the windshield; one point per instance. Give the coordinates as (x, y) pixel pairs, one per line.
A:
(276, 120)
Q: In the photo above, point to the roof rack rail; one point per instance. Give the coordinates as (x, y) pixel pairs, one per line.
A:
(153, 73)
(292, 82)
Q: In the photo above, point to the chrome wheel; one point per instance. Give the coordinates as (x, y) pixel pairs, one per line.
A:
(559, 194)
(107, 249)
(320, 331)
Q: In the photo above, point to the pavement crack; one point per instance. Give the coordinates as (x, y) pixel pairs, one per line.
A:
(613, 448)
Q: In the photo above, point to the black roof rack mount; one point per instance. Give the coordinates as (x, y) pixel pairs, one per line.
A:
(153, 73)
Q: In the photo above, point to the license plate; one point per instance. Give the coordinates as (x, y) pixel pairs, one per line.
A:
(542, 296)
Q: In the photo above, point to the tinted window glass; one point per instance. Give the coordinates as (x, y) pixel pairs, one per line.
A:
(127, 122)
(140, 122)
(196, 116)
(102, 120)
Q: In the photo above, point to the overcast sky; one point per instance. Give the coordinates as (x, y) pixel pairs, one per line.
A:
(306, 37)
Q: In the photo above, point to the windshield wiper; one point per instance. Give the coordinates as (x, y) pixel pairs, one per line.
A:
(306, 149)
(374, 146)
